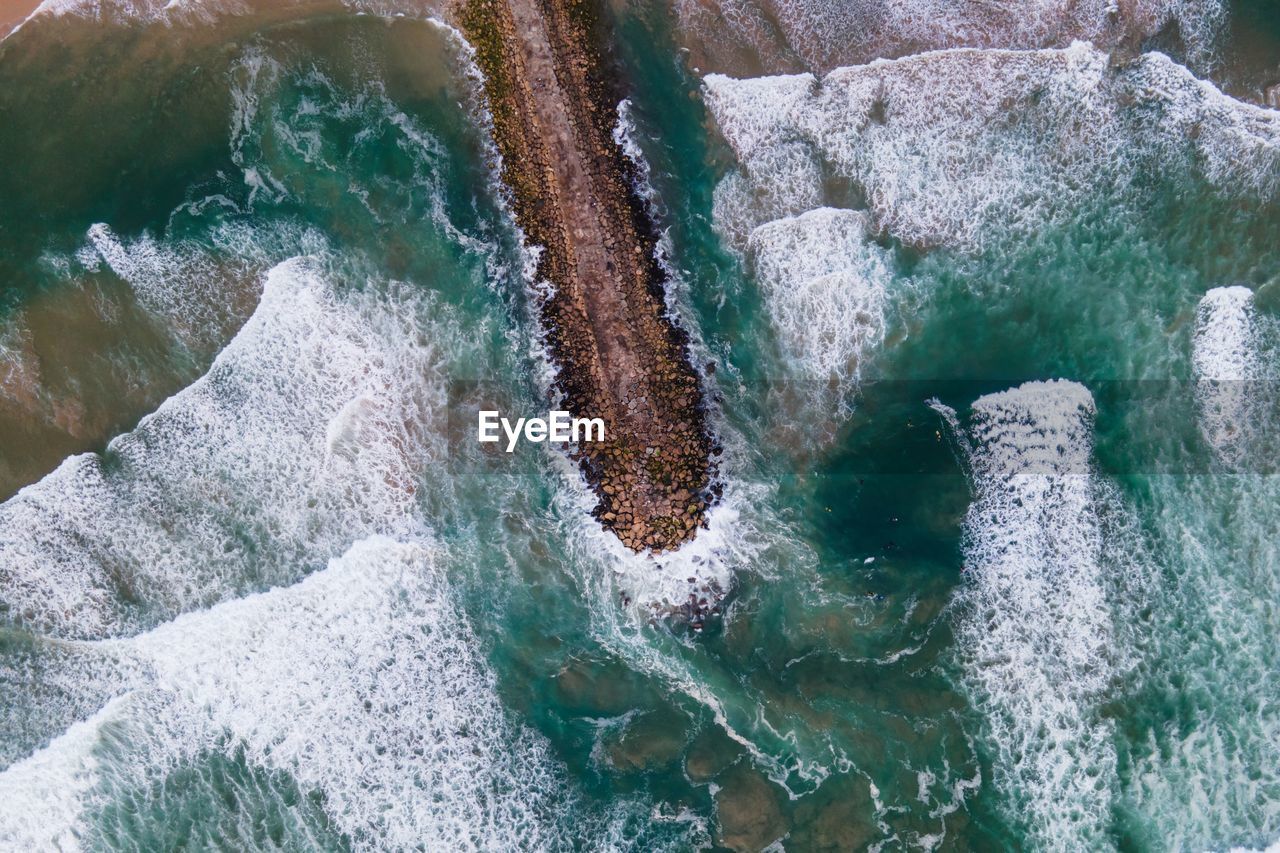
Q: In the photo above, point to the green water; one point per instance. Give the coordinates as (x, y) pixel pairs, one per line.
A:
(259, 269)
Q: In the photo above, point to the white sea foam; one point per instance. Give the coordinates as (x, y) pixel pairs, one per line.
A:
(1225, 346)
(780, 173)
(625, 137)
(1036, 136)
(1211, 780)
(824, 284)
(362, 682)
(651, 583)
(45, 795)
(822, 34)
(1034, 628)
(247, 478)
(1225, 359)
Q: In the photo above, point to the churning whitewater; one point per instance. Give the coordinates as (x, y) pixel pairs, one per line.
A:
(1035, 628)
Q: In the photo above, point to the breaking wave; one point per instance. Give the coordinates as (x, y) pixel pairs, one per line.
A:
(824, 284)
(1231, 346)
(362, 683)
(1037, 136)
(305, 434)
(1034, 626)
(776, 36)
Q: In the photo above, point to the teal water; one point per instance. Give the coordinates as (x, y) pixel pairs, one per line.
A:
(260, 591)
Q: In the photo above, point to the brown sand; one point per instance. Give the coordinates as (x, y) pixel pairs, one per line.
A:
(14, 12)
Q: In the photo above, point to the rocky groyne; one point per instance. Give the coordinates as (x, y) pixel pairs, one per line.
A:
(620, 356)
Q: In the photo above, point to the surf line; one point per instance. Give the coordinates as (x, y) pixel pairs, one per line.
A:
(559, 427)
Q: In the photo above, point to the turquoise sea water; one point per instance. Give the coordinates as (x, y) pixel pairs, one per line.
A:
(259, 590)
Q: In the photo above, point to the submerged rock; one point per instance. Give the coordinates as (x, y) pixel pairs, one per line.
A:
(748, 810)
